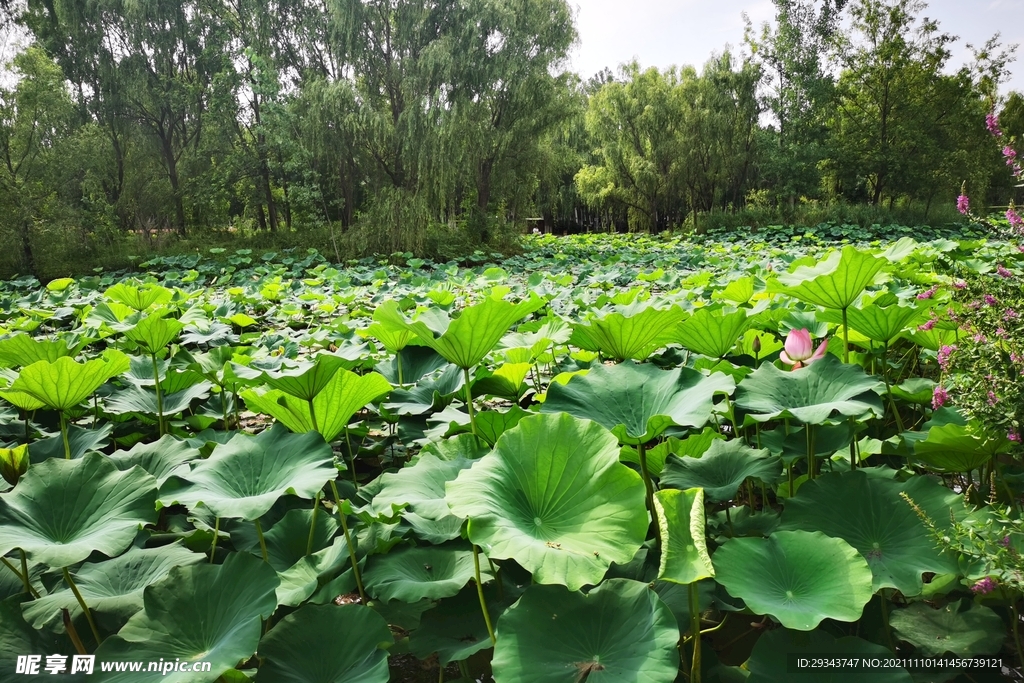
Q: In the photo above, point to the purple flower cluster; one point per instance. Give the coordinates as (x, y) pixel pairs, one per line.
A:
(943, 355)
(992, 123)
(927, 326)
(939, 397)
(991, 300)
(928, 293)
(1014, 436)
(963, 204)
(1001, 271)
(986, 585)
(1016, 222)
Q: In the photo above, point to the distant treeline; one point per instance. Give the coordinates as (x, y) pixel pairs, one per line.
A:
(432, 125)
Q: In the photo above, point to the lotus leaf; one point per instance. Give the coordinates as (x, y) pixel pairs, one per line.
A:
(684, 554)
(204, 612)
(798, 577)
(411, 574)
(246, 476)
(620, 631)
(629, 332)
(114, 586)
(64, 510)
(770, 660)
(64, 383)
(962, 627)
(553, 496)
(868, 513)
(811, 395)
(722, 469)
(638, 402)
(294, 652)
(466, 339)
(341, 398)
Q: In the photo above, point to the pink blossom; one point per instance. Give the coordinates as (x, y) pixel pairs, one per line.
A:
(1012, 435)
(992, 398)
(992, 123)
(959, 284)
(927, 326)
(1010, 314)
(943, 355)
(939, 397)
(963, 204)
(991, 300)
(1001, 271)
(928, 293)
(1010, 153)
(986, 585)
(1014, 218)
(799, 348)
(1005, 541)
(1000, 332)
(980, 338)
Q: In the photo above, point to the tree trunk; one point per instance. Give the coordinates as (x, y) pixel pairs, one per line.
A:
(172, 175)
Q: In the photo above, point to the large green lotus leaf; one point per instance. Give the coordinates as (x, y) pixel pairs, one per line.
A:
(835, 282)
(288, 539)
(455, 628)
(553, 496)
(694, 445)
(23, 349)
(159, 458)
(798, 577)
(420, 486)
(342, 397)
(307, 379)
(770, 660)
(491, 424)
(792, 446)
(811, 395)
(628, 332)
(293, 651)
(139, 400)
(204, 612)
(957, 448)
(466, 339)
(962, 627)
(247, 475)
(722, 469)
(139, 297)
(392, 336)
(868, 513)
(114, 586)
(64, 510)
(508, 381)
(155, 331)
(638, 402)
(23, 400)
(620, 631)
(684, 549)
(18, 637)
(81, 440)
(429, 394)
(417, 362)
(327, 570)
(410, 574)
(880, 324)
(64, 383)
(710, 332)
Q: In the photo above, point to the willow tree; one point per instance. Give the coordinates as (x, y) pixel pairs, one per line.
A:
(635, 123)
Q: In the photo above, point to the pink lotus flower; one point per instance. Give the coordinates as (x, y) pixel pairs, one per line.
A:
(799, 348)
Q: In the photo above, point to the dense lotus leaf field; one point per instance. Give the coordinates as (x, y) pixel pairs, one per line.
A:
(606, 459)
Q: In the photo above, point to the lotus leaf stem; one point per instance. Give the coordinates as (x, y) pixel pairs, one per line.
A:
(810, 451)
(81, 602)
(695, 630)
(469, 402)
(216, 534)
(312, 416)
(1015, 615)
(351, 459)
(159, 396)
(846, 337)
(649, 489)
(312, 524)
(401, 383)
(888, 388)
(263, 541)
(885, 620)
(64, 435)
(728, 518)
(480, 594)
(23, 575)
(69, 626)
(348, 541)
(464, 669)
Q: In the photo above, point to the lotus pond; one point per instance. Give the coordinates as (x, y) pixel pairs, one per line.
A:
(605, 459)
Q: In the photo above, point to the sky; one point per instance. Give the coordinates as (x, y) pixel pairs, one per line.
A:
(674, 32)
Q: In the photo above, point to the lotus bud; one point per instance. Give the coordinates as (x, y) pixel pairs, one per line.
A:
(13, 463)
(799, 348)
(756, 345)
